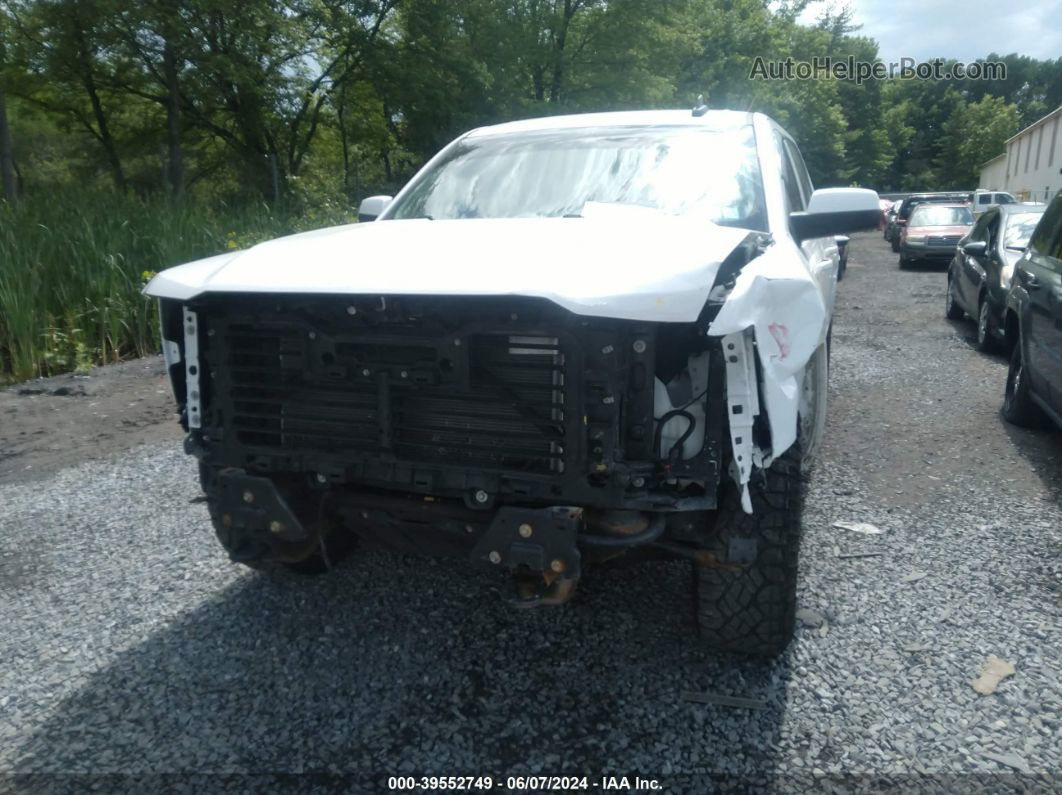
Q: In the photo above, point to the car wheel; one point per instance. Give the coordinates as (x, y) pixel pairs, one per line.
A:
(986, 343)
(895, 245)
(329, 541)
(812, 407)
(904, 262)
(746, 587)
(952, 310)
(1018, 405)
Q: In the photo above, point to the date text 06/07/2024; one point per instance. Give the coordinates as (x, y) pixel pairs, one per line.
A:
(523, 783)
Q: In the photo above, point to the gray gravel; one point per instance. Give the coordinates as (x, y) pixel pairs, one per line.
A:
(130, 646)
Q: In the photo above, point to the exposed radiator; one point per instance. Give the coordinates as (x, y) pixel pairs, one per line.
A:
(394, 397)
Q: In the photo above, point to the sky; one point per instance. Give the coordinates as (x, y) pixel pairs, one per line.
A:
(960, 29)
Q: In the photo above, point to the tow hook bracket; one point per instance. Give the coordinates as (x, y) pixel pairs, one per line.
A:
(254, 505)
(539, 546)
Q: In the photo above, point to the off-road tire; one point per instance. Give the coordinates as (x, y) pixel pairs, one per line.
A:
(332, 544)
(952, 310)
(1018, 406)
(746, 594)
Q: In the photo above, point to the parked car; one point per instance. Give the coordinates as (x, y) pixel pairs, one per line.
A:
(907, 204)
(933, 231)
(564, 339)
(885, 205)
(984, 200)
(1033, 326)
(890, 218)
(982, 269)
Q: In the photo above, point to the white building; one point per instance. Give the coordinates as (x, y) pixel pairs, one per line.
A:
(1031, 164)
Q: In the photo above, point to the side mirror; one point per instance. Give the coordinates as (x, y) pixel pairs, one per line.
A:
(975, 248)
(372, 206)
(836, 211)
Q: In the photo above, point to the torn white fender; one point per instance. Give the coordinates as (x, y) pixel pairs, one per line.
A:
(784, 307)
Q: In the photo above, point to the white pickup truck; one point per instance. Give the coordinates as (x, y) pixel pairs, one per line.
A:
(566, 339)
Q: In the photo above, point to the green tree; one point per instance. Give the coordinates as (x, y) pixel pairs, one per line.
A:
(8, 183)
(974, 134)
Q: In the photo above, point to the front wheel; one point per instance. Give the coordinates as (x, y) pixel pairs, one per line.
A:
(986, 343)
(746, 591)
(812, 409)
(952, 310)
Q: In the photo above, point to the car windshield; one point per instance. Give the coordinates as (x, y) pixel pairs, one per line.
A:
(675, 170)
(1019, 229)
(928, 215)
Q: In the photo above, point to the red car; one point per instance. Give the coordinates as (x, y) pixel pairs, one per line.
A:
(884, 205)
(933, 231)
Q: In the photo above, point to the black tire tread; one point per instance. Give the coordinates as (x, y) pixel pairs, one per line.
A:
(751, 609)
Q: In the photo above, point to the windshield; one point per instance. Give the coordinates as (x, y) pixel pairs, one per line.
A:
(1019, 229)
(928, 215)
(676, 170)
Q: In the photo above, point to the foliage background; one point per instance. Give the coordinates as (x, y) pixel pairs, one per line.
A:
(134, 136)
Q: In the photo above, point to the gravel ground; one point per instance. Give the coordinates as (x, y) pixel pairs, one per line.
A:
(132, 648)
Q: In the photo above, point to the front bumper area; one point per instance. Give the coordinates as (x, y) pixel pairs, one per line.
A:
(540, 546)
(928, 253)
(487, 401)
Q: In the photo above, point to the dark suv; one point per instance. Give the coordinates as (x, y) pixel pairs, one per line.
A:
(1033, 325)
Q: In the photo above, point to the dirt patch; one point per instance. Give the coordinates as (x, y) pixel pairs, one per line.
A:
(50, 423)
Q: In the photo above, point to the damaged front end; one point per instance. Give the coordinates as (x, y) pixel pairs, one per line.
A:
(504, 428)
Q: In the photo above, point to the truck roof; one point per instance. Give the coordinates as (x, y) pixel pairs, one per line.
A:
(714, 119)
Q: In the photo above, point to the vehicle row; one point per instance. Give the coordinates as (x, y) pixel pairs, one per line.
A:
(1006, 274)
(895, 214)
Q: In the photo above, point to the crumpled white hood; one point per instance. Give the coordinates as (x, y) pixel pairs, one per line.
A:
(623, 263)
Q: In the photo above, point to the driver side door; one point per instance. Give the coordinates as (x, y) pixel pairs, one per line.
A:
(1040, 272)
(974, 267)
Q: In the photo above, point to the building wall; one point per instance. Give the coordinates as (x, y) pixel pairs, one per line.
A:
(1034, 160)
(994, 174)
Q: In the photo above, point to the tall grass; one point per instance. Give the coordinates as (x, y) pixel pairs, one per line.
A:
(72, 268)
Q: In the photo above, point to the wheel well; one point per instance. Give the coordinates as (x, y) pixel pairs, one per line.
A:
(1011, 331)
